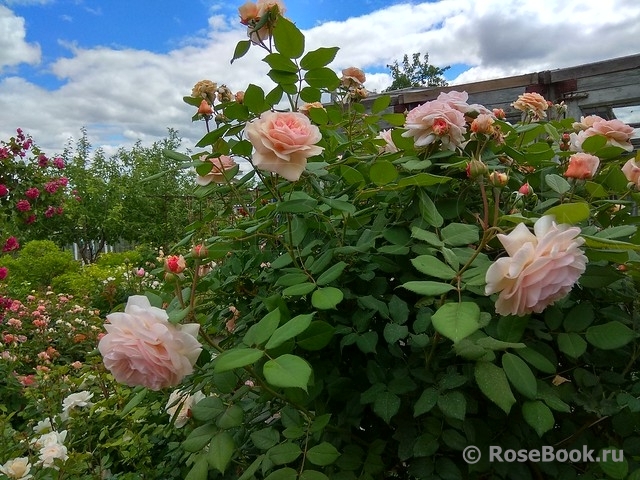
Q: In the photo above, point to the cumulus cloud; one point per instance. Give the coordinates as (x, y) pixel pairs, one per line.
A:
(14, 49)
(121, 95)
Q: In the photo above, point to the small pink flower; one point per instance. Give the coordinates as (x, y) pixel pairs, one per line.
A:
(77, 365)
(49, 212)
(499, 113)
(582, 166)
(140, 272)
(541, 268)
(220, 166)
(631, 170)
(58, 163)
(3, 273)
(43, 161)
(32, 193)
(175, 263)
(23, 205)
(11, 244)
(525, 189)
(3, 190)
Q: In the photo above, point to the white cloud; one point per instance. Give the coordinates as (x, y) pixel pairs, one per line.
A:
(122, 95)
(14, 49)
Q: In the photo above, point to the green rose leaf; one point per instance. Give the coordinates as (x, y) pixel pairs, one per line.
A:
(289, 330)
(241, 49)
(313, 475)
(231, 417)
(322, 78)
(610, 336)
(460, 234)
(380, 103)
(611, 466)
(520, 375)
(300, 289)
(199, 437)
(277, 61)
(569, 212)
(331, 274)
(288, 39)
(323, 454)
(571, 344)
(200, 469)
(457, 320)
(236, 358)
(493, 383)
(208, 408)
(453, 404)
(221, 451)
(383, 172)
(433, 267)
(326, 298)
(386, 405)
(287, 371)
(321, 57)
(262, 331)
(426, 402)
(538, 416)
(557, 183)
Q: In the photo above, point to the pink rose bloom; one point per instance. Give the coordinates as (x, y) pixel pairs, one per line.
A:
(23, 205)
(434, 121)
(221, 165)
(586, 122)
(141, 347)
(3, 190)
(11, 244)
(540, 268)
(631, 170)
(618, 134)
(283, 141)
(582, 166)
(3, 273)
(32, 193)
(458, 101)
(532, 104)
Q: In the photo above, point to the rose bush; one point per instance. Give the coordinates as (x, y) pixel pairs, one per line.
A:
(399, 287)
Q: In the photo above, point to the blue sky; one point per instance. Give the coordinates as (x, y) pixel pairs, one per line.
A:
(119, 68)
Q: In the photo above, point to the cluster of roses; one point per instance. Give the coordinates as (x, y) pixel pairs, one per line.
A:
(29, 189)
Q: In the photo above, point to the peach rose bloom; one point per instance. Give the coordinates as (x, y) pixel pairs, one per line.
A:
(248, 11)
(283, 141)
(141, 347)
(483, 123)
(532, 103)
(586, 122)
(308, 106)
(582, 166)
(540, 268)
(221, 165)
(631, 170)
(436, 120)
(353, 76)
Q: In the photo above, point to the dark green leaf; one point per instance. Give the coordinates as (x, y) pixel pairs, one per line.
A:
(287, 371)
(288, 40)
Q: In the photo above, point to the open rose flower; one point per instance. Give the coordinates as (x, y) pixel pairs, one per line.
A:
(283, 141)
(141, 347)
(582, 166)
(436, 120)
(631, 170)
(540, 268)
(221, 165)
(533, 104)
(617, 133)
(17, 468)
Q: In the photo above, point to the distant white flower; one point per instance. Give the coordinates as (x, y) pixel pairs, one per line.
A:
(43, 426)
(182, 403)
(50, 438)
(80, 399)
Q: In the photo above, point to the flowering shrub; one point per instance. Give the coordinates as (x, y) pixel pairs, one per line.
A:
(403, 286)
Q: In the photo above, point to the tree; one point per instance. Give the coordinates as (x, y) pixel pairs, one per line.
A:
(417, 73)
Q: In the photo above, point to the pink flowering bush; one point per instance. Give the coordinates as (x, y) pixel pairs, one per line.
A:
(379, 291)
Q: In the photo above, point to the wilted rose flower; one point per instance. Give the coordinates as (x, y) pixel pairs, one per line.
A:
(308, 106)
(175, 264)
(353, 77)
(141, 347)
(582, 166)
(389, 146)
(631, 170)
(540, 268)
(205, 89)
(221, 165)
(533, 104)
(17, 468)
(283, 141)
(239, 96)
(182, 403)
(436, 120)
(618, 134)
